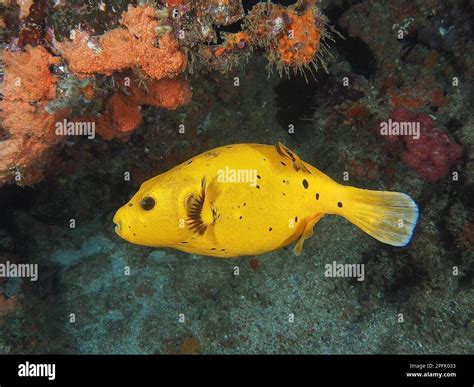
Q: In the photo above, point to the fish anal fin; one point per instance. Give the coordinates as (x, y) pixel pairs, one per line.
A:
(286, 152)
(307, 233)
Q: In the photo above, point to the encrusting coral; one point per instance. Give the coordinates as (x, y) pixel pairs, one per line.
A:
(56, 78)
(27, 87)
(123, 111)
(293, 36)
(138, 45)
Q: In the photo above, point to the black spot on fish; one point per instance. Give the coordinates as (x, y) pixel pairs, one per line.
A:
(213, 248)
(134, 234)
(270, 229)
(130, 204)
(240, 217)
(129, 226)
(339, 204)
(190, 161)
(258, 187)
(184, 242)
(284, 194)
(305, 184)
(264, 159)
(317, 196)
(222, 249)
(245, 204)
(258, 177)
(284, 181)
(296, 219)
(282, 163)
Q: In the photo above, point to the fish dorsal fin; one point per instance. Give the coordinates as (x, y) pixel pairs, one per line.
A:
(200, 210)
(286, 152)
(307, 233)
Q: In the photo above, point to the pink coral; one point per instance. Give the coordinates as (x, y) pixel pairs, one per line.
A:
(433, 153)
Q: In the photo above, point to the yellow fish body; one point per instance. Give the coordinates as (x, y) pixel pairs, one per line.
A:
(249, 199)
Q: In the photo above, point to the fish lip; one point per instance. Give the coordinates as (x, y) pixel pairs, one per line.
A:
(117, 224)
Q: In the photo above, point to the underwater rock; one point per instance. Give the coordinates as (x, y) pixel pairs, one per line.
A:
(7, 305)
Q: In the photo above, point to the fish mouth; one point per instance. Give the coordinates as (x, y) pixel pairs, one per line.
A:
(118, 224)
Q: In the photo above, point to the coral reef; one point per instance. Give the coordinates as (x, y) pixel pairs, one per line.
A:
(28, 135)
(139, 44)
(64, 69)
(31, 105)
(291, 36)
(123, 111)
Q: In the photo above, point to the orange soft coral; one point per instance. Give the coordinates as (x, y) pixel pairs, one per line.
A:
(123, 112)
(27, 87)
(292, 36)
(27, 75)
(166, 93)
(300, 46)
(233, 41)
(138, 44)
(122, 116)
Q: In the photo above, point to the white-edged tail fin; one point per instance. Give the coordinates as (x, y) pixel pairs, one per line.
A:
(389, 217)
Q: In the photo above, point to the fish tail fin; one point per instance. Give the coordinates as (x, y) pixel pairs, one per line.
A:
(389, 217)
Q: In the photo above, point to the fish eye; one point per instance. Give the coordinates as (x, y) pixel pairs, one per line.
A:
(147, 203)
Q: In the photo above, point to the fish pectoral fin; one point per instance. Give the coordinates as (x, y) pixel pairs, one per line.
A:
(286, 152)
(307, 233)
(201, 212)
(213, 190)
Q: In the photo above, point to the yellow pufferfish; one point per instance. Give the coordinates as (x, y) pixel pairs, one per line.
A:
(249, 199)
